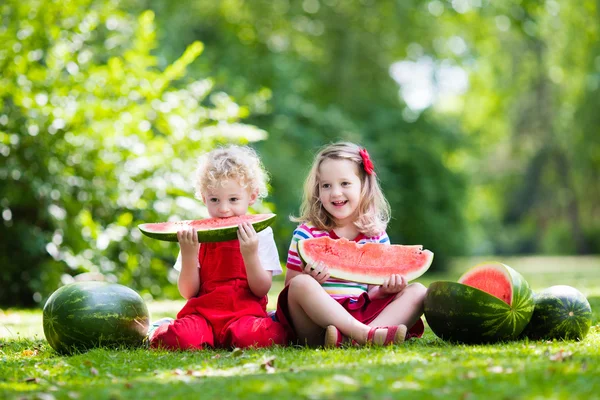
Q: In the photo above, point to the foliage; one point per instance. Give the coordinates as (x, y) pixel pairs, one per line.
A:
(504, 165)
(534, 79)
(95, 139)
(102, 115)
(324, 69)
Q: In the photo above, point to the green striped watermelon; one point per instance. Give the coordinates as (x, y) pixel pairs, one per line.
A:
(561, 312)
(491, 302)
(209, 229)
(368, 263)
(84, 315)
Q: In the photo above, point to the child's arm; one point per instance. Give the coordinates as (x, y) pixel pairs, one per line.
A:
(259, 279)
(392, 285)
(188, 282)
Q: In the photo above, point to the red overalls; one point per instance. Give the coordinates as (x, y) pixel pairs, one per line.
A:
(225, 313)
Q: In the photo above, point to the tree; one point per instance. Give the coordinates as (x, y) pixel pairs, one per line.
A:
(95, 139)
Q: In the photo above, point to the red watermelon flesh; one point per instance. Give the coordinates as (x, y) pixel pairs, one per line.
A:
(208, 223)
(209, 229)
(366, 263)
(492, 279)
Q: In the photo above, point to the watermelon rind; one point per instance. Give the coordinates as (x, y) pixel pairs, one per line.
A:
(561, 312)
(221, 234)
(374, 274)
(461, 313)
(85, 315)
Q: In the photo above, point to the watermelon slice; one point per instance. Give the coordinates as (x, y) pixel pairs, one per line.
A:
(491, 302)
(209, 230)
(368, 263)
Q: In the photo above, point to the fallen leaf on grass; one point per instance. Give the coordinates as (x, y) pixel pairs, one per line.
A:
(561, 356)
(405, 385)
(32, 380)
(29, 353)
(236, 352)
(195, 373)
(44, 396)
(471, 375)
(346, 380)
(268, 365)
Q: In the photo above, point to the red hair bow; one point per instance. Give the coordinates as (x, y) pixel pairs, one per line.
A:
(367, 163)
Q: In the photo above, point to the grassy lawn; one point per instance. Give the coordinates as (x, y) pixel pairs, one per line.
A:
(425, 368)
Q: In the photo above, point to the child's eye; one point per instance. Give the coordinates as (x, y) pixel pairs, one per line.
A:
(326, 186)
(213, 200)
(233, 199)
(346, 183)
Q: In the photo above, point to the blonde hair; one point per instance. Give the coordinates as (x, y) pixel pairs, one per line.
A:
(373, 208)
(238, 163)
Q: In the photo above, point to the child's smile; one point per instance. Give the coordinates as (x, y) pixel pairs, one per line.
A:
(339, 189)
(340, 203)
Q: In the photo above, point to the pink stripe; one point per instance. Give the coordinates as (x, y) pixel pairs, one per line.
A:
(294, 260)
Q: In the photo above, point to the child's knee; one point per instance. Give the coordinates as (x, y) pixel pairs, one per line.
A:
(414, 292)
(417, 292)
(418, 289)
(302, 284)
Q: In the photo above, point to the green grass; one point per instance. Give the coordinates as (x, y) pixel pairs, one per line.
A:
(426, 368)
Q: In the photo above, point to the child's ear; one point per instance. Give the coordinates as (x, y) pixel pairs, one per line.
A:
(253, 197)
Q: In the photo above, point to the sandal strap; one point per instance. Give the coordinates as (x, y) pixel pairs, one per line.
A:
(371, 334)
(391, 335)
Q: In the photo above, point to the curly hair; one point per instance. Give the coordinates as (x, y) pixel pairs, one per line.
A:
(238, 163)
(373, 209)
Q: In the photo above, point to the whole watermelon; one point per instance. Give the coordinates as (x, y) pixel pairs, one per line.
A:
(83, 315)
(490, 303)
(561, 312)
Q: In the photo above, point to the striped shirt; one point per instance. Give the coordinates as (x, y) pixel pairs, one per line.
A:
(334, 287)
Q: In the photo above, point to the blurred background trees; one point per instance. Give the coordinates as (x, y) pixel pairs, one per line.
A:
(481, 119)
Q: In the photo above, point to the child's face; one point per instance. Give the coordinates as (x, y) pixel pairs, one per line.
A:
(228, 199)
(339, 189)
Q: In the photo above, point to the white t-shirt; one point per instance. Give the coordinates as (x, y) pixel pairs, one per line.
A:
(267, 253)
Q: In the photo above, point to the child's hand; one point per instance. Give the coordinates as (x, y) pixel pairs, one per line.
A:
(317, 270)
(394, 284)
(188, 241)
(248, 239)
